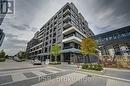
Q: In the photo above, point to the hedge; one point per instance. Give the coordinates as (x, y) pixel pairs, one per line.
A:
(96, 67)
(55, 63)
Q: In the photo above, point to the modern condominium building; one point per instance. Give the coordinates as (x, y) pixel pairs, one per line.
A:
(66, 28)
(2, 35)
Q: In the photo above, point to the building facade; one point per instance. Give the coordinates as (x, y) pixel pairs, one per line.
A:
(66, 28)
(2, 35)
(2, 16)
(116, 42)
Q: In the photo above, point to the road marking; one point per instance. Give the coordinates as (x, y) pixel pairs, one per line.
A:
(65, 80)
(29, 74)
(38, 73)
(54, 68)
(18, 77)
(51, 70)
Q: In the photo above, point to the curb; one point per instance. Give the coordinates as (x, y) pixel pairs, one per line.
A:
(104, 76)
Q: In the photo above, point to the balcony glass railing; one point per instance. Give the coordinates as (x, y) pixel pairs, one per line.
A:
(67, 25)
(66, 17)
(69, 47)
(66, 12)
(70, 35)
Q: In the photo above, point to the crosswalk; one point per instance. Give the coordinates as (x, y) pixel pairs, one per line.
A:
(51, 76)
(20, 76)
(65, 80)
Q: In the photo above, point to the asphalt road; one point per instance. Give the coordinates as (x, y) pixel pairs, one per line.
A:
(50, 74)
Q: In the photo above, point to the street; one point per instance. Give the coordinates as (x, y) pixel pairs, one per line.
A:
(48, 75)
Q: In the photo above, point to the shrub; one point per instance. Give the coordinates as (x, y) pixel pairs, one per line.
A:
(96, 67)
(99, 67)
(84, 66)
(2, 59)
(55, 63)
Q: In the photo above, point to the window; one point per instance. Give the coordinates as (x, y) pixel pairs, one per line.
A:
(47, 33)
(50, 35)
(54, 34)
(46, 37)
(50, 30)
(45, 49)
(50, 41)
(46, 43)
(54, 41)
(54, 29)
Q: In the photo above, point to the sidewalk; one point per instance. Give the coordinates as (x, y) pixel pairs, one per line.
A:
(12, 65)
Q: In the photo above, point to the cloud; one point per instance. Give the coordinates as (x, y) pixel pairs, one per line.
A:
(12, 44)
(31, 15)
(9, 35)
(20, 27)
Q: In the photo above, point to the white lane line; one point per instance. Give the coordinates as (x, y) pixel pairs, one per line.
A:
(65, 80)
(51, 70)
(38, 73)
(18, 77)
(54, 68)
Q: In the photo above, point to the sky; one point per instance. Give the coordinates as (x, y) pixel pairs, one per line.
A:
(31, 15)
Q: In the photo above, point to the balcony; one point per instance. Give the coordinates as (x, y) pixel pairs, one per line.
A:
(71, 39)
(68, 47)
(66, 12)
(70, 50)
(67, 17)
(72, 29)
(67, 25)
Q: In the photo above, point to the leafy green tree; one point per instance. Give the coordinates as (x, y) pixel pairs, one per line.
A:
(55, 50)
(88, 46)
(22, 55)
(2, 54)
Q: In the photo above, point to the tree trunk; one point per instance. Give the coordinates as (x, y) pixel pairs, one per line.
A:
(55, 58)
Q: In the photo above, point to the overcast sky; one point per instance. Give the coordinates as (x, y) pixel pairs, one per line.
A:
(31, 15)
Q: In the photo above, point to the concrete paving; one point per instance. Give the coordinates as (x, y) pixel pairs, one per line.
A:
(59, 75)
(12, 65)
(65, 80)
(119, 73)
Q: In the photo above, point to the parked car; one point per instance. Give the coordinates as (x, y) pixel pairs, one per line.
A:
(37, 62)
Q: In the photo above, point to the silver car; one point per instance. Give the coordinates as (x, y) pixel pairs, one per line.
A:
(37, 62)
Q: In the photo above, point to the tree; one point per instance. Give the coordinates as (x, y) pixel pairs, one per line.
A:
(2, 54)
(55, 50)
(88, 46)
(22, 55)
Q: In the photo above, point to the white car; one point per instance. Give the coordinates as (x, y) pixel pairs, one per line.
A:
(37, 62)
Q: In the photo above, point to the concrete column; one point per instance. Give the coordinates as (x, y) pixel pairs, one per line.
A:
(62, 57)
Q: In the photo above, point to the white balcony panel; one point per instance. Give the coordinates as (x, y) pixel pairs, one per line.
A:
(72, 39)
(72, 29)
(70, 50)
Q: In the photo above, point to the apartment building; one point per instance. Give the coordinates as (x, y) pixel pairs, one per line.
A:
(2, 35)
(66, 28)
